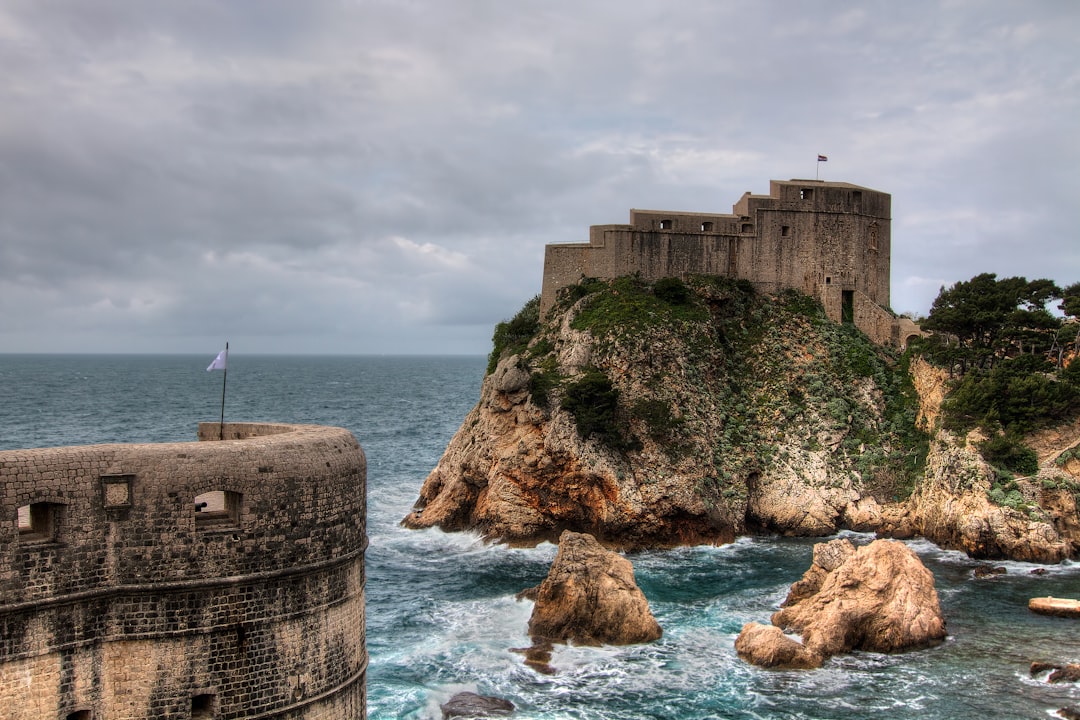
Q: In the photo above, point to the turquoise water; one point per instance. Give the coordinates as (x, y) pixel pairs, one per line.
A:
(441, 610)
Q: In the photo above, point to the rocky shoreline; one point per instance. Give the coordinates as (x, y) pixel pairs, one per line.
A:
(754, 416)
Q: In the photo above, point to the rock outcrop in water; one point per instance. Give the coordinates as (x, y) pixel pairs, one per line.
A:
(652, 418)
(767, 646)
(590, 598)
(879, 598)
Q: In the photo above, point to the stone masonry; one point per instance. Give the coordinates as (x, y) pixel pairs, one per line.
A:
(120, 600)
(828, 240)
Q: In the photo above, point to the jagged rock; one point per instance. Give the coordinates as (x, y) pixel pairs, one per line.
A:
(1069, 713)
(985, 571)
(471, 705)
(720, 435)
(1057, 607)
(951, 508)
(881, 598)
(827, 557)
(767, 646)
(590, 598)
(1066, 673)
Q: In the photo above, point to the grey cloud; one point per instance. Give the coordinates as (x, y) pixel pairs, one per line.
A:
(382, 176)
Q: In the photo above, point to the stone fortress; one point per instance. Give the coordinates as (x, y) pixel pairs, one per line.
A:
(828, 240)
(123, 596)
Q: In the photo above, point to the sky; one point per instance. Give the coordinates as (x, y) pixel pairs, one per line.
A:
(381, 176)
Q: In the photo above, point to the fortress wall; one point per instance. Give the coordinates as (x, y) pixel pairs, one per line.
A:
(132, 604)
(816, 237)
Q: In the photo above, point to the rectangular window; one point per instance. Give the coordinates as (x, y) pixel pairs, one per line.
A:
(218, 509)
(39, 522)
(202, 707)
(785, 230)
(666, 224)
(806, 194)
(706, 227)
(747, 228)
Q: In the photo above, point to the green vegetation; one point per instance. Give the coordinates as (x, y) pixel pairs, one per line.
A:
(1006, 352)
(593, 402)
(512, 336)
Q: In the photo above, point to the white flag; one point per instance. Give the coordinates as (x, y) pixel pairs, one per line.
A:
(219, 362)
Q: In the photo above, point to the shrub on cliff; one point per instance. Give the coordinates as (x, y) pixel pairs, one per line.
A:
(593, 402)
(513, 335)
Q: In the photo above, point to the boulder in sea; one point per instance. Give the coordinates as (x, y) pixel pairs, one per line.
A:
(471, 705)
(590, 598)
(1058, 607)
(985, 571)
(880, 598)
(767, 646)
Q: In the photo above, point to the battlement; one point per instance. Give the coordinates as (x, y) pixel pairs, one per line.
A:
(221, 578)
(830, 240)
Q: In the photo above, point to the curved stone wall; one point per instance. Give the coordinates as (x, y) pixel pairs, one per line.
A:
(120, 599)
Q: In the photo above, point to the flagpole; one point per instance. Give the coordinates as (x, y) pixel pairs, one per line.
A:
(224, 376)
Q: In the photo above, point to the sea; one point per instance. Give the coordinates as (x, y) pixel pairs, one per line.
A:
(441, 610)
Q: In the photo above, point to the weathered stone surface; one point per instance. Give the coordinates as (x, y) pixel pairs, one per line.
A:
(986, 571)
(768, 646)
(688, 471)
(1058, 607)
(471, 705)
(124, 601)
(590, 598)
(827, 557)
(881, 599)
(951, 507)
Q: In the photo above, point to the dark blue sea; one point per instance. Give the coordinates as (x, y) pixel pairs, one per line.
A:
(441, 610)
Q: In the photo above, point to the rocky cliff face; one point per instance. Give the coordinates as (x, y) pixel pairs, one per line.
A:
(668, 415)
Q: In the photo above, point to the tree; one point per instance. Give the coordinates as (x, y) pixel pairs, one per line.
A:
(993, 319)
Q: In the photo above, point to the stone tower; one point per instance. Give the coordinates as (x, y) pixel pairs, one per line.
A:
(215, 579)
(829, 240)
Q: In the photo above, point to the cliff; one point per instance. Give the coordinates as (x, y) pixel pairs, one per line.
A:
(668, 413)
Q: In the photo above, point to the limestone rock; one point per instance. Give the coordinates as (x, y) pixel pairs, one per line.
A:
(767, 646)
(719, 438)
(1057, 607)
(590, 598)
(827, 557)
(881, 598)
(952, 509)
(471, 705)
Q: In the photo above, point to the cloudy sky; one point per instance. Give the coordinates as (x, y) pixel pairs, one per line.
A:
(381, 176)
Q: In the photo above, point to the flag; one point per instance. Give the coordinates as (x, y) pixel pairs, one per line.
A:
(219, 362)
(822, 158)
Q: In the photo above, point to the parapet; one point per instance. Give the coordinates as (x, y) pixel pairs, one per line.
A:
(221, 578)
(828, 240)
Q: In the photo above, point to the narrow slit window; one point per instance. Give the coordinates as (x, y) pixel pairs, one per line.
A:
(785, 230)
